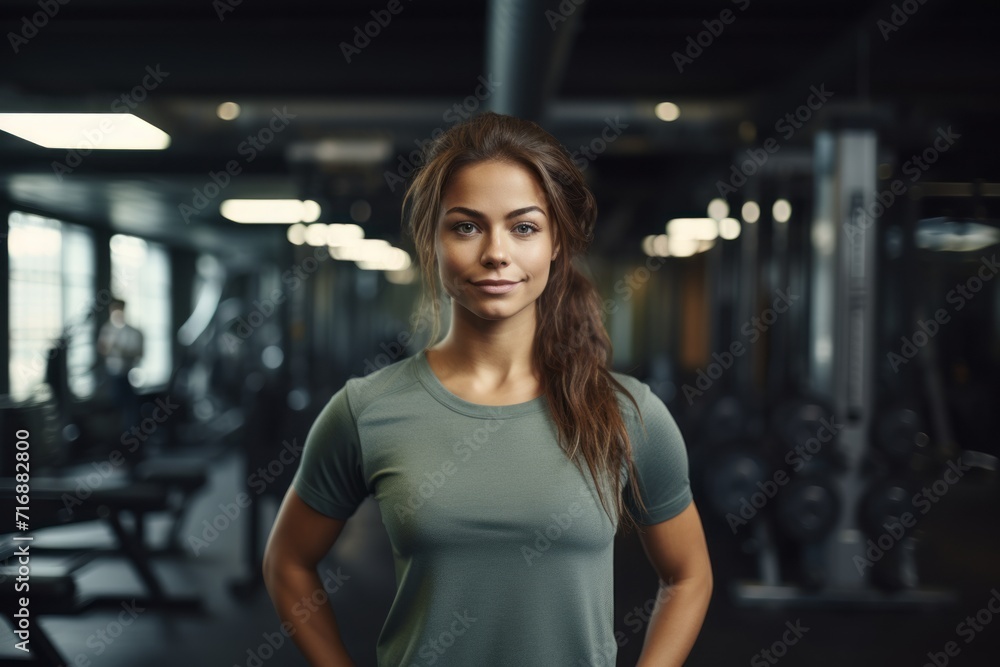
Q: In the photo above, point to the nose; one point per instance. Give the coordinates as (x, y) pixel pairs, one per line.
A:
(495, 252)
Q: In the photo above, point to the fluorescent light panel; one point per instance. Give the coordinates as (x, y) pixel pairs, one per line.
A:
(87, 131)
(275, 211)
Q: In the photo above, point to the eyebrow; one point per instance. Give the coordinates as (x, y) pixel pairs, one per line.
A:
(472, 213)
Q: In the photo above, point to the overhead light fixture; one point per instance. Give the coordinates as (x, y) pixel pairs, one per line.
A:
(85, 131)
(228, 111)
(699, 229)
(683, 247)
(276, 211)
(718, 208)
(661, 245)
(297, 234)
(315, 235)
(667, 111)
(751, 211)
(729, 228)
(338, 234)
(347, 150)
(942, 234)
(782, 210)
(362, 250)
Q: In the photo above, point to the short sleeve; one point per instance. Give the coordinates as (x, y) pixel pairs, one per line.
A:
(330, 478)
(661, 461)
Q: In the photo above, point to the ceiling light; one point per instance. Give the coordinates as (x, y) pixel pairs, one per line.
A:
(718, 209)
(85, 131)
(277, 211)
(729, 228)
(297, 234)
(781, 210)
(667, 111)
(700, 229)
(228, 111)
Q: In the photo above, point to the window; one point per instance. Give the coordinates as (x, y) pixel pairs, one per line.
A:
(52, 302)
(140, 275)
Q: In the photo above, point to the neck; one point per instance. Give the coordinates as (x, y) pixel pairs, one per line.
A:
(491, 351)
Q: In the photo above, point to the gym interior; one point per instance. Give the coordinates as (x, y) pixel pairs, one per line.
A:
(797, 243)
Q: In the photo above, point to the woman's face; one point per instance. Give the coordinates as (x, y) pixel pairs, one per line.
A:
(494, 225)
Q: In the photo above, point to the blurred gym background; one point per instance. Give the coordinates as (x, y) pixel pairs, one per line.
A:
(797, 246)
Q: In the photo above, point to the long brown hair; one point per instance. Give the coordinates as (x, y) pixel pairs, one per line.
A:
(571, 347)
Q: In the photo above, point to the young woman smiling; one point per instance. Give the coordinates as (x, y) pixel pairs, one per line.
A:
(505, 456)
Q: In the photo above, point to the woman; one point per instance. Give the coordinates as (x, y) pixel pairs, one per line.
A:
(505, 456)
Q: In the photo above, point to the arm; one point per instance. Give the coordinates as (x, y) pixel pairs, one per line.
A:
(677, 550)
(300, 538)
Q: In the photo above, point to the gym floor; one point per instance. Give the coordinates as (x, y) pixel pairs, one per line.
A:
(959, 549)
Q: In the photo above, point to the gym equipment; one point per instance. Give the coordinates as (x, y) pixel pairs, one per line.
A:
(885, 501)
(56, 502)
(798, 420)
(736, 472)
(899, 434)
(50, 594)
(822, 513)
(808, 508)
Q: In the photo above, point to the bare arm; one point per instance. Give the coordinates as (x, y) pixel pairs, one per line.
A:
(677, 550)
(300, 538)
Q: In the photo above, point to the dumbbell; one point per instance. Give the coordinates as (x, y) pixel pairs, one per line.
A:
(734, 473)
(807, 509)
(898, 434)
(797, 420)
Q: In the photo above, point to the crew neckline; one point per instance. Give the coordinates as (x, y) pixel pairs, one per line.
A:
(433, 385)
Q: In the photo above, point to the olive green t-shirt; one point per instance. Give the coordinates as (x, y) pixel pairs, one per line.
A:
(503, 553)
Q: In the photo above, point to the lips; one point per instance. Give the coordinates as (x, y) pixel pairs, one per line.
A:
(495, 286)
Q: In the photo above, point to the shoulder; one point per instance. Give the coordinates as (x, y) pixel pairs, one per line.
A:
(363, 391)
(636, 388)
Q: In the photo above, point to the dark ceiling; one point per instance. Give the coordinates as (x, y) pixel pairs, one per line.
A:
(598, 60)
